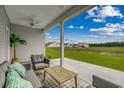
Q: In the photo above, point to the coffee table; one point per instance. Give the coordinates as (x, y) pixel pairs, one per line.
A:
(60, 74)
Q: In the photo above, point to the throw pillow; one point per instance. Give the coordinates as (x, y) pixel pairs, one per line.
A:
(13, 73)
(19, 68)
(13, 82)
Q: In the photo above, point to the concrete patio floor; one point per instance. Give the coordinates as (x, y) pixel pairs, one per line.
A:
(86, 70)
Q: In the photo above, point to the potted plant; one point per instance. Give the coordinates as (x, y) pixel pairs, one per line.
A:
(14, 39)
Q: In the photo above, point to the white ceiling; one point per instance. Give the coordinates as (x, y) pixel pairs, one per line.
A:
(40, 15)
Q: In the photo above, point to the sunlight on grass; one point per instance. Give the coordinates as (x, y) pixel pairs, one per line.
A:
(107, 57)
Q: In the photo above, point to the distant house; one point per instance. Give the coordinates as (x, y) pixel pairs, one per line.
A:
(51, 44)
(75, 46)
(57, 44)
(67, 45)
(83, 45)
(79, 45)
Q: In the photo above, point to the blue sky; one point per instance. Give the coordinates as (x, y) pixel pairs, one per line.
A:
(99, 24)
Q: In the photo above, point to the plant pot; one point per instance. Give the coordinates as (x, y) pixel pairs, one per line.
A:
(15, 60)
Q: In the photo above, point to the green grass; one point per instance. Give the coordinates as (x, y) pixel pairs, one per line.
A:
(103, 56)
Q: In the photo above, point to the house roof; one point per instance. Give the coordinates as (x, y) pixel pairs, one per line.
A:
(49, 43)
(41, 16)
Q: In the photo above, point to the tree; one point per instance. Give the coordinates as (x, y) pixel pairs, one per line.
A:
(108, 44)
(14, 39)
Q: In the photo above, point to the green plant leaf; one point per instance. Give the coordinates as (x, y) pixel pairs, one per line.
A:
(14, 39)
(22, 41)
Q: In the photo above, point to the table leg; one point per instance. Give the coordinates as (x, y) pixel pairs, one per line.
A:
(75, 78)
(44, 76)
(59, 85)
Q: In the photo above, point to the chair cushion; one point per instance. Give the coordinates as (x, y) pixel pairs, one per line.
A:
(99, 82)
(41, 65)
(19, 68)
(4, 66)
(30, 76)
(2, 79)
(13, 82)
(38, 58)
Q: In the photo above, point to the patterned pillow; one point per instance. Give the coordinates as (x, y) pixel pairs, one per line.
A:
(13, 82)
(38, 58)
(18, 68)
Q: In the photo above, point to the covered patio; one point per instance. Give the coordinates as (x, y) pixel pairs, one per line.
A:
(31, 23)
(35, 21)
(86, 71)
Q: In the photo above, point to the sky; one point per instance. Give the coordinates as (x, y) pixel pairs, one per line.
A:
(98, 25)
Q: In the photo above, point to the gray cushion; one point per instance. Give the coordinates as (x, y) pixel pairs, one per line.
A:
(30, 76)
(4, 66)
(27, 65)
(40, 65)
(2, 79)
(102, 83)
(38, 58)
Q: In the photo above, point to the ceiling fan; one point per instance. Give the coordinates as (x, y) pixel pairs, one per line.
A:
(33, 23)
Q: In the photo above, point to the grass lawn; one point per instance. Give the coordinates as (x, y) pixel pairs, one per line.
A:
(103, 56)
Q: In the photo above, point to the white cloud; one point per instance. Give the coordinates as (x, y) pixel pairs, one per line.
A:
(49, 37)
(109, 28)
(118, 26)
(71, 26)
(81, 27)
(98, 20)
(92, 11)
(109, 11)
(103, 30)
(76, 27)
(103, 12)
(113, 34)
(92, 36)
(67, 40)
(47, 34)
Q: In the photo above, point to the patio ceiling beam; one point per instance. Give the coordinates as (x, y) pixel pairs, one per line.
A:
(71, 12)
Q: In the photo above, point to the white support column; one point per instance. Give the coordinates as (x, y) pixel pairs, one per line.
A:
(43, 42)
(61, 43)
(44, 46)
